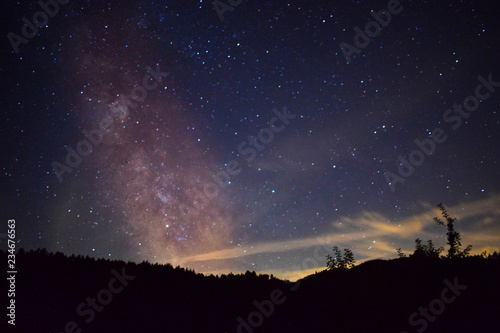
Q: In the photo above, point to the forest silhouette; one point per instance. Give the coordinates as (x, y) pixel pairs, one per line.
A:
(376, 296)
(420, 292)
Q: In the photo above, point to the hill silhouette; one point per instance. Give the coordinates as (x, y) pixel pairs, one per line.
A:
(57, 293)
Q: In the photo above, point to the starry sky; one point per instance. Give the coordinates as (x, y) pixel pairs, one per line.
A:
(249, 137)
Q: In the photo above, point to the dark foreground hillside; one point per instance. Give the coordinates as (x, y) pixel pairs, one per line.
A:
(55, 293)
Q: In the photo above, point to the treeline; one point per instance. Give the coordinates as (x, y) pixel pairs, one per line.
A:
(76, 294)
(99, 295)
(58, 293)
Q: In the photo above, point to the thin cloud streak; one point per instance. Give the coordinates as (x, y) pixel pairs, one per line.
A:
(352, 233)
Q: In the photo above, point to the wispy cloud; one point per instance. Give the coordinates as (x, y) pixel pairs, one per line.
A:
(372, 235)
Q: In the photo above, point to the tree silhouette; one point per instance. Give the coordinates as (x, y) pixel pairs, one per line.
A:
(400, 252)
(337, 261)
(454, 239)
(426, 251)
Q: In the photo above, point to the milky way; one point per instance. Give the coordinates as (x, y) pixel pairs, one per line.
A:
(150, 164)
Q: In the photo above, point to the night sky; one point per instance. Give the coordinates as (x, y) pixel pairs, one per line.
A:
(142, 130)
